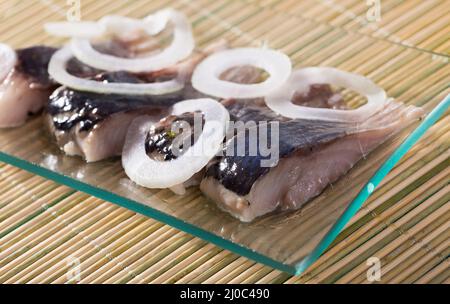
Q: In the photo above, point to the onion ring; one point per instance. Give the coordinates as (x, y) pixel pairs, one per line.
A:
(111, 24)
(280, 100)
(82, 29)
(152, 24)
(180, 48)
(206, 76)
(151, 173)
(8, 59)
(57, 70)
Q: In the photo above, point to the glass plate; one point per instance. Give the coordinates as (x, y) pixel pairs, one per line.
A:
(286, 241)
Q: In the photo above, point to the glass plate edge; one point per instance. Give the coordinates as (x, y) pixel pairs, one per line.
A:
(370, 186)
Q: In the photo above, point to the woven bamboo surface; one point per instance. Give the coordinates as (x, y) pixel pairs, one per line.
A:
(46, 227)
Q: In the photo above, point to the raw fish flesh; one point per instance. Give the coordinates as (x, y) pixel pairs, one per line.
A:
(26, 88)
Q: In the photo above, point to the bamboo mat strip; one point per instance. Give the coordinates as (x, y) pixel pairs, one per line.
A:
(44, 225)
(421, 24)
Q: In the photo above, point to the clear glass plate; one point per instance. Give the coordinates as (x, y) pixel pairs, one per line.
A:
(286, 241)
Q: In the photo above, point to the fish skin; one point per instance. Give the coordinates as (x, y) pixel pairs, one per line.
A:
(70, 107)
(238, 173)
(33, 63)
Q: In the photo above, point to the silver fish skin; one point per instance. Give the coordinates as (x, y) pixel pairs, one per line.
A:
(312, 155)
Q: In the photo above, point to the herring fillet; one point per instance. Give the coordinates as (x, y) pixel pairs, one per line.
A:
(312, 155)
(94, 125)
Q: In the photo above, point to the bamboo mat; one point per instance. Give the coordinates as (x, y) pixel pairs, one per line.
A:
(46, 229)
(415, 23)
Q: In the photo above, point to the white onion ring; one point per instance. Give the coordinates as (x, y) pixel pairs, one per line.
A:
(8, 59)
(180, 48)
(280, 100)
(152, 173)
(206, 76)
(152, 24)
(111, 24)
(57, 70)
(82, 29)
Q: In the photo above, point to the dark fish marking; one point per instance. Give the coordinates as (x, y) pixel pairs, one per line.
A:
(69, 107)
(33, 63)
(119, 76)
(319, 96)
(160, 142)
(79, 69)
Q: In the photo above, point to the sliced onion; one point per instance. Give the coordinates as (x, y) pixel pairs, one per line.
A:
(151, 173)
(152, 24)
(8, 59)
(206, 76)
(57, 70)
(111, 24)
(280, 100)
(181, 47)
(82, 29)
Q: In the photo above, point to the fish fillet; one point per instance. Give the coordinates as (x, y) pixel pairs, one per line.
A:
(312, 155)
(93, 125)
